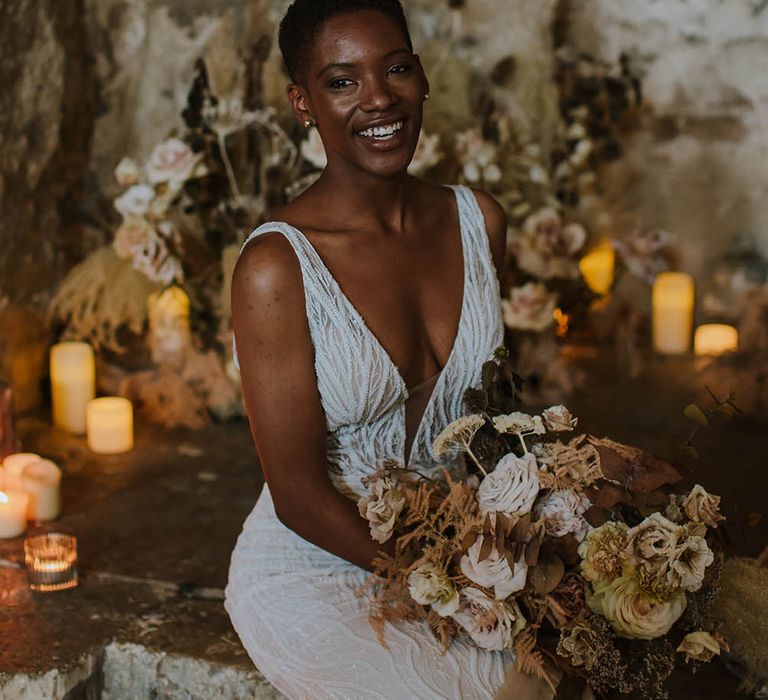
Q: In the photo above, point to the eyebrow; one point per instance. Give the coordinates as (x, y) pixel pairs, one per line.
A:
(352, 65)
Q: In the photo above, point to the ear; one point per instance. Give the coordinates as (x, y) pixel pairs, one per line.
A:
(300, 103)
(420, 68)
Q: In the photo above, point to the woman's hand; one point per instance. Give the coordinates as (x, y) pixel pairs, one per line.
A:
(283, 404)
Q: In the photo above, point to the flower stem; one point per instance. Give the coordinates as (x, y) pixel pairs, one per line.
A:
(476, 461)
(522, 442)
(228, 166)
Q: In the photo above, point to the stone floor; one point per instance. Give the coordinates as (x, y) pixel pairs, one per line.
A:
(156, 527)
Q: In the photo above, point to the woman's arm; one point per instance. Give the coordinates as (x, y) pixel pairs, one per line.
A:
(283, 404)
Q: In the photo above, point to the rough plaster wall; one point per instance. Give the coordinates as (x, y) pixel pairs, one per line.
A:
(699, 168)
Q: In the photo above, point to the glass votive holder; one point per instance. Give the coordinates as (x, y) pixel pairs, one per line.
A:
(51, 561)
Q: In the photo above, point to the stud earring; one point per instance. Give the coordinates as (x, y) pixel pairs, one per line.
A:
(308, 123)
(426, 96)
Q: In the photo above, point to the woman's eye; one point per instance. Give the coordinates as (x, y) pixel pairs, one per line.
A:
(340, 83)
(400, 68)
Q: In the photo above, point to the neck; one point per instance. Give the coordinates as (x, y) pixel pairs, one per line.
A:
(365, 199)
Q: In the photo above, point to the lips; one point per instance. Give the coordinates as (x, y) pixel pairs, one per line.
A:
(384, 134)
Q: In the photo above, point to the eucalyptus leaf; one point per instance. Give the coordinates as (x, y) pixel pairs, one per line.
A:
(693, 413)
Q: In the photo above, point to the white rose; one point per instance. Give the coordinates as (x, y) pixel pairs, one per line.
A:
(312, 149)
(559, 419)
(633, 613)
(700, 646)
(529, 308)
(512, 487)
(652, 543)
(691, 558)
(492, 624)
(562, 512)
(172, 161)
(430, 585)
(381, 508)
(494, 571)
(127, 172)
(133, 235)
(135, 200)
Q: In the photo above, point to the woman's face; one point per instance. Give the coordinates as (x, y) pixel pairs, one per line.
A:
(364, 89)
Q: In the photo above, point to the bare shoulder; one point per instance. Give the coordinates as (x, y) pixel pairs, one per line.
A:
(267, 265)
(496, 226)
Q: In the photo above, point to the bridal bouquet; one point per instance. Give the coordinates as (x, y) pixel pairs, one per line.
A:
(563, 547)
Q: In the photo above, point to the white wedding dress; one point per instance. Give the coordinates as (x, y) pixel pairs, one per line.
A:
(293, 604)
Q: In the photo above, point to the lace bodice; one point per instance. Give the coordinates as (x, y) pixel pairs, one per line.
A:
(362, 391)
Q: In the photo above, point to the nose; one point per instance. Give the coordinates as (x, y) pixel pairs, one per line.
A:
(378, 95)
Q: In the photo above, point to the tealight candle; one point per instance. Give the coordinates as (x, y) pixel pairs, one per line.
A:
(73, 384)
(110, 425)
(672, 301)
(597, 268)
(168, 313)
(715, 339)
(51, 561)
(13, 513)
(14, 465)
(41, 481)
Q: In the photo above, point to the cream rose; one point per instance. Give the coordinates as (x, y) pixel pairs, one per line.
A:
(563, 513)
(127, 172)
(529, 308)
(691, 558)
(559, 419)
(579, 645)
(381, 507)
(632, 612)
(652, 543)
(133, 235)
(172, 161)
(493, 571)
(492, 624)
(430, 585)
(511, 487)
(135, 201)
(702, 507)
(701, 646)
(602, 552)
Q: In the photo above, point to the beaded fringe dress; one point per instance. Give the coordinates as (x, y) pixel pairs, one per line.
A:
(293, 604)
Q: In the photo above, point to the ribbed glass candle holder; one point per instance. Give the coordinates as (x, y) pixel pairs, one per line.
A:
(51, 561)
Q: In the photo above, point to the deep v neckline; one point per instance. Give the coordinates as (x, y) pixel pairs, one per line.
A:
(357, 316)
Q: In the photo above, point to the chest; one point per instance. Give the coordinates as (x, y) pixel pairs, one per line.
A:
(408, 290)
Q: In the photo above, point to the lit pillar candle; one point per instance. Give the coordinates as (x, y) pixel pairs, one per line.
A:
(597, 268)
(715, 339)
(73, 384)
(13, 466)
(110, 425)
(40, 481)
(13, 513)
(672, 301)
(168, 313)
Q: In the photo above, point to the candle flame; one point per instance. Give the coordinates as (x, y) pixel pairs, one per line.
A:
(3, 498)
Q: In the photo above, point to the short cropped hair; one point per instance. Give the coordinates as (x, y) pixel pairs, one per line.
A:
(304, 19)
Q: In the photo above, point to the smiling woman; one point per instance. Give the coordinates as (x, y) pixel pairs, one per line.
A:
(361, 312)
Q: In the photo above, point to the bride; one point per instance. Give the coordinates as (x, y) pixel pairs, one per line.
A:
(361, 314)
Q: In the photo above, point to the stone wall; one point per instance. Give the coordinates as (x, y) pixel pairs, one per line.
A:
(89, 81)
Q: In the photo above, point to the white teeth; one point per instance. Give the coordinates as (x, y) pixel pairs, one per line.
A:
(382, 131)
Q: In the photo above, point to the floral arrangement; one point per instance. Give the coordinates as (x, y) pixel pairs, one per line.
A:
(562, 547)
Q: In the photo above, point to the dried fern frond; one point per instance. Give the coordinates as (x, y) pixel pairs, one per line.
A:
(99, 296)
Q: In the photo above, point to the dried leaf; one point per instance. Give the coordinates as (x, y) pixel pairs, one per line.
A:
(545, 576)
(596, 516)
(469, 539)
(612, 464)
(512, 553)
(532, 551)
(649, 474)
(754, 519)
(689, 451)
(487, 524)
(485, 548)
(500, 537)
(606, 495)
(693, 413)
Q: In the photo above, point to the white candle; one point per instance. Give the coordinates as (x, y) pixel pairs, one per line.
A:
(169, 332)
(597, 268)
(715, 339)
(110, 425)
(41, 482)
(672, 300)
(13, 513)
(73, 384)
(13, 466)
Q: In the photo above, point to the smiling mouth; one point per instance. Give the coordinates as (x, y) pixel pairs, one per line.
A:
(382, 133)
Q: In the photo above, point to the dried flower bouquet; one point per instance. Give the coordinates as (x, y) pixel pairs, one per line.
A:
(564, 548)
